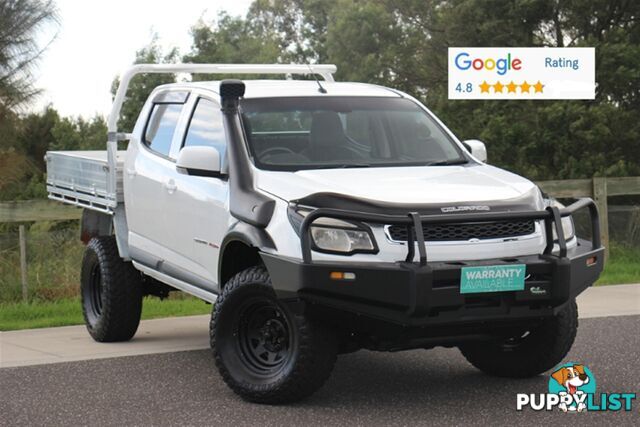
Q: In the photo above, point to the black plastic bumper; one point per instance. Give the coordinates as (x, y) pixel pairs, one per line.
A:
(425, 293)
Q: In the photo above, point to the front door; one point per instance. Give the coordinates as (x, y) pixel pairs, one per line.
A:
(199, 214)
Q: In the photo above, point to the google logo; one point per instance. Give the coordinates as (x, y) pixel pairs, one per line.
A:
(502, 64)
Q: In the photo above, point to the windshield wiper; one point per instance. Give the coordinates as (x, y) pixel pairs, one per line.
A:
(448, 162)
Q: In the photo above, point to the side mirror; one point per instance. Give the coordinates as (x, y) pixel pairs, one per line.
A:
(199, 161)
(477, 149)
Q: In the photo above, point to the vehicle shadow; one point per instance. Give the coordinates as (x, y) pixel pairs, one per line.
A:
(439, 378)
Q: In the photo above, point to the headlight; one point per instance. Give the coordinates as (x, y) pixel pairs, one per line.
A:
(337, 236)
(567, 223)
(342, 240)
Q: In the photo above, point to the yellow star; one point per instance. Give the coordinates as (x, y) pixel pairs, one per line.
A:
(512, 87)
(498, 87)
(524, 87)
(538, 86)
(484, 87)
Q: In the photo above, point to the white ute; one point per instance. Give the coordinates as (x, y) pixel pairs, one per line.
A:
(321, 218)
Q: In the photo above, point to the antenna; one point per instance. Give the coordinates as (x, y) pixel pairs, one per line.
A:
(320, 88)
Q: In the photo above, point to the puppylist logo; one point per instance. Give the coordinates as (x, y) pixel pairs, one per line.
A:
(521, 73)
(572, 388)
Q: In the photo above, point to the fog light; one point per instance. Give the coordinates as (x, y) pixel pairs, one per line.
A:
(592, 261)
(342, 275)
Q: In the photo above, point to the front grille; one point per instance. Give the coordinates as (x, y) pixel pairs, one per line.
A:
(466, 231)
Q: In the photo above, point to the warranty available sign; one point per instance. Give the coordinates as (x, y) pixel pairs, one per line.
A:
(492, 278)
(522, 73)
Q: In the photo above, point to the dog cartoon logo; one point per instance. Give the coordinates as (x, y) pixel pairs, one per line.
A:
(572, 388)
(572, 382)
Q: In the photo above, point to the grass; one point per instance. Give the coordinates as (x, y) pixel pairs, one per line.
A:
(64, 312)
(623, 266)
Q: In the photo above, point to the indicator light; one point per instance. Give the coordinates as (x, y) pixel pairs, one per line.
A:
(342, 275)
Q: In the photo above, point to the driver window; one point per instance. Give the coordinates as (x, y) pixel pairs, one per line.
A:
(206, 127)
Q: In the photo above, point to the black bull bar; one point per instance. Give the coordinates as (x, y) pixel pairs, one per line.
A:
(414, 222)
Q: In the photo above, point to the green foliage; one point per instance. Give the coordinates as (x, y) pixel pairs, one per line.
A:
(233, 40)
(358, 40)
(8, 128)
(20, 178)
(299, 27)
(22, 155)
(34, 134)
(79, 134)
(142, 85)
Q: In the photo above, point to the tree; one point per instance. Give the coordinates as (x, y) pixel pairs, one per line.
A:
(142, 85)
(22, 159)
(24, 140)
(20, 22)
(233, 40)
(20, 177)
(79, 134)
(299, 26)
(35, 135)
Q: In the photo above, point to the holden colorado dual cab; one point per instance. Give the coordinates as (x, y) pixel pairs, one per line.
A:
(321, 218)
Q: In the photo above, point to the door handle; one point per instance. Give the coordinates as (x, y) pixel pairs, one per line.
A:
(170, 186)
(131, 172)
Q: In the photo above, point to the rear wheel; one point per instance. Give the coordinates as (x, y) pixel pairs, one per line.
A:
(111, 291)
(264, 351)
(530, 352)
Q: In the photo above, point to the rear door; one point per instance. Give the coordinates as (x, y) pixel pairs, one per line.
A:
(148, 180)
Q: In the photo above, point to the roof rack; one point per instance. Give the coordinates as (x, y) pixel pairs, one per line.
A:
(324, 70)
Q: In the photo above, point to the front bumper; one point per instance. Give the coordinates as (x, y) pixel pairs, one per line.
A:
(427, 293)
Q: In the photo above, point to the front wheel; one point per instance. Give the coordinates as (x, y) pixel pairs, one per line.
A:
(529, 353)
(264, 351)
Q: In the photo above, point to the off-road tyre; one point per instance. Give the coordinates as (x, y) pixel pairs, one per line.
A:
(264, 351)
(540, 350)
(111, 292)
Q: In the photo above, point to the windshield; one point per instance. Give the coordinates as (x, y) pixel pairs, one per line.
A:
(337, 132)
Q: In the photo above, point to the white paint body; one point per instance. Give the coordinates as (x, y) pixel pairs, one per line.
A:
(182, 219)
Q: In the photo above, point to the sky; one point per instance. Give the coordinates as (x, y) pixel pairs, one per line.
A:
(97, 40)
